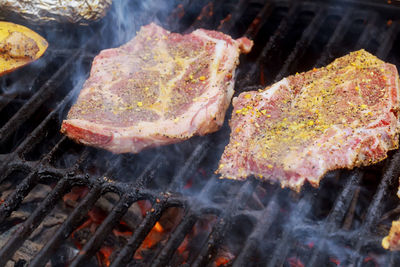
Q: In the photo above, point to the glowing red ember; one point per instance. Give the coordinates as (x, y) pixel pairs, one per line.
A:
(295, 262)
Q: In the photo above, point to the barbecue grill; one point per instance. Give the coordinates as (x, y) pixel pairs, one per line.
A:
(66, 204)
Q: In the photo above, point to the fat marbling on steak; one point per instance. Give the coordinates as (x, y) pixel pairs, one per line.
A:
(339, 116)
(157, 89)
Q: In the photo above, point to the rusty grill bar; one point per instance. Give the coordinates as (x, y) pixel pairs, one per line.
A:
(273, 235)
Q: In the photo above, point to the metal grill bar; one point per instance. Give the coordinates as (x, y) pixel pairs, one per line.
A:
(280, 32)
(259, 21)
(124, 257)
(104, 230)
(6, 99)
(343, 201)
(374, 210)
(15, 198)
(282, 248)
(227, 24)
(114, 217)
(175, 240)
(335, 217)
(388, 39)
(17, 166)
(335, 39)
(266, 218)
(206, 13)
(70, 224)
(176, 14)
(33, 138)
(304, 42)
(24, 230)
(210, 249)
(193, 161)
(394, 258)
(38, 99)
(366, 35)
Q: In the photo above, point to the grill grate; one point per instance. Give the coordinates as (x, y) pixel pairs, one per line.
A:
(281, 220)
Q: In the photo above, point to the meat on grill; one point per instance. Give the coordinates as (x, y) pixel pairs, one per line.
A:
(392, 240)
(339, 116)
(159, 88)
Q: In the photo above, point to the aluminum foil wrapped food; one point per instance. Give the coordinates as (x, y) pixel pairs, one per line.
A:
(41, 11)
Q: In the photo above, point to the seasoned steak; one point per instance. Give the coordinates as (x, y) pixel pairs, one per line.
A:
(157, 89)
(392, 240)
(339, 116)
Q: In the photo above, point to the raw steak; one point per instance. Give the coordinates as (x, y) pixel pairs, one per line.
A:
(339, 116)
(157, 89)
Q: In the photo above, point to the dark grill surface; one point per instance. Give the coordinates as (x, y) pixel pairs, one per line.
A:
(340, 223)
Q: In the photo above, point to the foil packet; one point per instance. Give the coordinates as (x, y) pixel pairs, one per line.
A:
(65, 11)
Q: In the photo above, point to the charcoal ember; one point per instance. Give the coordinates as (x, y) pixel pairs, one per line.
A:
(25, 253)
(82, 236)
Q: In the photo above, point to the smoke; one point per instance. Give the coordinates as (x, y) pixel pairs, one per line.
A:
(126, 17)
(21, 80)
(184, 169)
